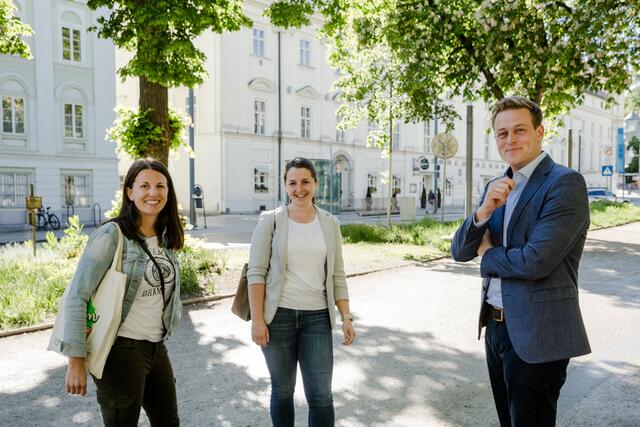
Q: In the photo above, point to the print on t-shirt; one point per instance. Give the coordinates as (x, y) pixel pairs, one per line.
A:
(152, 276)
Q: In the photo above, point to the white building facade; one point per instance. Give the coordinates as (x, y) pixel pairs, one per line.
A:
(269, 98)
(55, 110)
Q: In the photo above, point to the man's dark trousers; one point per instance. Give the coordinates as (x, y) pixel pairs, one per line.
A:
(525, 394)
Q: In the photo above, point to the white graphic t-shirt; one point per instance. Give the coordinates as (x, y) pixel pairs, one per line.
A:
(144, 321)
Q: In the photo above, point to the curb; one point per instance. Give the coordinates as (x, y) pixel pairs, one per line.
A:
(200, 300)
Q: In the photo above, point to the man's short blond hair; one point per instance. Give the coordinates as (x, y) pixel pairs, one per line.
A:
(515, 103)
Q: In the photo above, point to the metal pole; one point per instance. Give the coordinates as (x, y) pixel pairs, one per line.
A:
(444, 188)
(467, 209)
(435, 167)
(580, 150)
(279, 177)
(33, 222)
(570, 148)
(192, 179)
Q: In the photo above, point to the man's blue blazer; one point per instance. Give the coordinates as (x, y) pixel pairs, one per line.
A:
(539, 266)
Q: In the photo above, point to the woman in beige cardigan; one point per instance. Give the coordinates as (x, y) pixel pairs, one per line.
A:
(296, 275)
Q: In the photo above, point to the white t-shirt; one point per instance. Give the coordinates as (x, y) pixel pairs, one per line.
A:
(304, 276)
(144, 321)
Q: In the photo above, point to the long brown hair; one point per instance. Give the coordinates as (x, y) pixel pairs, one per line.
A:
(168, 226)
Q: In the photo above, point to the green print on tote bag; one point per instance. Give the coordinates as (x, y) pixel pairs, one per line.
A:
(92, 316)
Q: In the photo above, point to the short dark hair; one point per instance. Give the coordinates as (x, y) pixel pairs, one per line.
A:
(169, 228)
(515, 103)
(301, 163)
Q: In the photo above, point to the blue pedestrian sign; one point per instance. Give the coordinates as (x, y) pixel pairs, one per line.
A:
(607, 170)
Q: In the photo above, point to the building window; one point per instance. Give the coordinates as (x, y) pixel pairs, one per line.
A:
(258, 42)
(77, 190)
(13, 115)
(305, 122)
(71, 50)
(14, 187)
(396, 136)
(395, 185)
(73, 121)
(372, 182)
(259, 114)
(340, 136)
(427, 137)
(305, 52)
(260, 180)
(487, 145)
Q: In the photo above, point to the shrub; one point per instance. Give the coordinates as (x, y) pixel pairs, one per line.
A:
(198, 266)
(30, 287)
(608, 214)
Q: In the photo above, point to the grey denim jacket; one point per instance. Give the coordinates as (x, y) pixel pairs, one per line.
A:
(92, 266)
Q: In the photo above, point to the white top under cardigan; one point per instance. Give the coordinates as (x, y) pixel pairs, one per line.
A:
(144, 321)
(268, 258)
(304, 276)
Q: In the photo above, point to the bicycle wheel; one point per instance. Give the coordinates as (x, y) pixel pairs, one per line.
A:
(54, 222)
(41, 222)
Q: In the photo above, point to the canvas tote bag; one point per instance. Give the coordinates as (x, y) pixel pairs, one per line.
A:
(104, 311)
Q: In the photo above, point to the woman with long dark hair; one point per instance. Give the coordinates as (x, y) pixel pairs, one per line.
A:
(296, 278)
(137, 372)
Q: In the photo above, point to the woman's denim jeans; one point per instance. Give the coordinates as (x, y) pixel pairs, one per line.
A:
(300, 336)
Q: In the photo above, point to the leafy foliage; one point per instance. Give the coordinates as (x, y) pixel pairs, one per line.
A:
(550, 52)
(12, 31)
(161, 35)
(134, 132)
(72, 243)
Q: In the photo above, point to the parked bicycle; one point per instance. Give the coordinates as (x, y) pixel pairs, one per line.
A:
(44, 218)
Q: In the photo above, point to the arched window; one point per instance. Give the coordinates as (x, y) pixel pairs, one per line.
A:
(71, 37)
(74, 114)
(13, 107)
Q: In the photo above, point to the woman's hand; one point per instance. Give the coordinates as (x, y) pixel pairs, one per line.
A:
(259, 332)
(348, 331)
(76, 379)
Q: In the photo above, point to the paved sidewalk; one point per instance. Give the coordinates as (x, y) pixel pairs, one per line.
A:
(416, 360)
(231, 230)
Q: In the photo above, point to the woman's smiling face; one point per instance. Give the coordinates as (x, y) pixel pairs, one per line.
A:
(149, 192)
(301, 186)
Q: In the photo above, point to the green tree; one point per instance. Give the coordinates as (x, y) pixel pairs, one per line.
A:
(632, 100)
(160, 34)
(369, 83)
(12, 31)
(551, 52)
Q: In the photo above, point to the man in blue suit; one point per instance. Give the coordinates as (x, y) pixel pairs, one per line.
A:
(529, 230)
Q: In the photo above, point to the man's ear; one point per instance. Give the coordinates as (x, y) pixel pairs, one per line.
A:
(540, 132)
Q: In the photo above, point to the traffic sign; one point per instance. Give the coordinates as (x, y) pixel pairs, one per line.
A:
(607, 170)
(424, 164)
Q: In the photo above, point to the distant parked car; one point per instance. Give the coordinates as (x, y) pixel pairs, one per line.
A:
(603, 194)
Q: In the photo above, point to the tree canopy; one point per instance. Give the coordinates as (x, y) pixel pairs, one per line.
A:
(549, 51)
(12, 31)
(160, 34)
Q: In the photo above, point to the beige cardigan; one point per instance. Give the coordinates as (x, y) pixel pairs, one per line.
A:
(268, 259)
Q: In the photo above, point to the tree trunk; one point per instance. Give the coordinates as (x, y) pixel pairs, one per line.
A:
(155, 98)
(390, 176)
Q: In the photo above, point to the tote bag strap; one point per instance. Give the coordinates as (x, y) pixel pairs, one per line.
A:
(116, 264)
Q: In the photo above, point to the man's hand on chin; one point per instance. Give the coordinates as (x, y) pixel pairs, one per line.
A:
(485, 244)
